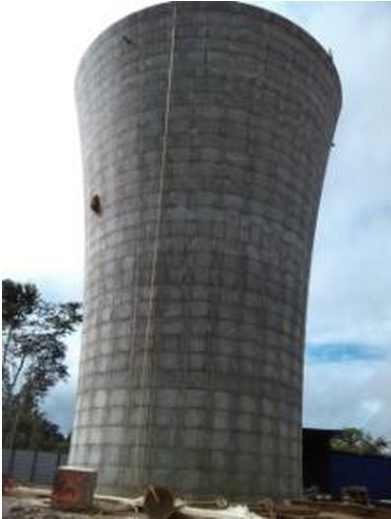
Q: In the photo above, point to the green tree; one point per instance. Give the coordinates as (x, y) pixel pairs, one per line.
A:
(353, 440)
(36, 432)
(33, 357)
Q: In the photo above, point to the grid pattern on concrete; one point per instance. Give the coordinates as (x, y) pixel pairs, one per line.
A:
(213, 405)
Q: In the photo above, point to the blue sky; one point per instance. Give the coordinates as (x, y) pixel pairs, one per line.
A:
(337, 353)
(348, 362)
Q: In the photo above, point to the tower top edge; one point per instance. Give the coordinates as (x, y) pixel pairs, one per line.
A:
(257, 13)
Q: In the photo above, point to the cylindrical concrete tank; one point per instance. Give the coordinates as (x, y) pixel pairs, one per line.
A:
(205, 129)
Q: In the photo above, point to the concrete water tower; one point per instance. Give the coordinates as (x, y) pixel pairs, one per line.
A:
(205, 130)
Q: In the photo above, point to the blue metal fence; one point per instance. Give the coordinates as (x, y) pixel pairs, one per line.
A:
(32, 466)
(373, 472)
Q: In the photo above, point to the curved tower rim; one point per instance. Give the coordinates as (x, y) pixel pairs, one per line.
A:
(251, 10)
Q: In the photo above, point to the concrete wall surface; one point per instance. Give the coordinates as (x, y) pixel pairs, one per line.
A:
(204, 199)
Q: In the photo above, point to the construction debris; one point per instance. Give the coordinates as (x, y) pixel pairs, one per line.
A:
(355, 494)
(7, 485)
(74, 488)
(159, 503)
(231, 512)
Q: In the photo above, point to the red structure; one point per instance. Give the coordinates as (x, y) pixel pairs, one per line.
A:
(74, 488)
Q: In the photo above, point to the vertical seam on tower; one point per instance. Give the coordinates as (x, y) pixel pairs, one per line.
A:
(162, 174)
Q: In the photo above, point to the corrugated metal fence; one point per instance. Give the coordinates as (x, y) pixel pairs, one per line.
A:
(32, 466)
(373, 472)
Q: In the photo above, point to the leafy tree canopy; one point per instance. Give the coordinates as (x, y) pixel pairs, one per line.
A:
(35, 432)
(353, 440)
(33, 357)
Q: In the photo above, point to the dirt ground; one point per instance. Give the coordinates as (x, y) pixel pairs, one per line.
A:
(34, 503)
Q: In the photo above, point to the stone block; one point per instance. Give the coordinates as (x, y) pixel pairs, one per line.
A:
(74, 488)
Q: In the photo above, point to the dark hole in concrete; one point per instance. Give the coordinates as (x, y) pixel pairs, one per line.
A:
(95, 204)
(128, 40)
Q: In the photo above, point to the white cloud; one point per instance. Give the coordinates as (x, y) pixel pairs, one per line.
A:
(351, 281)
(349, 394)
